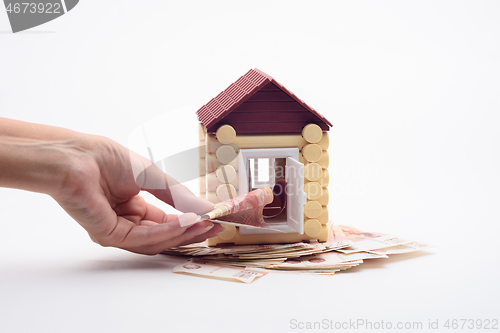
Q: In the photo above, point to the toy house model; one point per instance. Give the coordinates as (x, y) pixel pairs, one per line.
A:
(257, 133)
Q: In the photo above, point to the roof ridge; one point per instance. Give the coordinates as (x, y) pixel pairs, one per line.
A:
(238, 92)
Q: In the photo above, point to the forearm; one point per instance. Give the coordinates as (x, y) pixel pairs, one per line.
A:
(25, 130)
(34, 157)
(31, 165)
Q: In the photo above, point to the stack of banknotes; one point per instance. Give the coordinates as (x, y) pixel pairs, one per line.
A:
(346, 247)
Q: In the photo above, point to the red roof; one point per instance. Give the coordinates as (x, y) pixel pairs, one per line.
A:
(237, 93)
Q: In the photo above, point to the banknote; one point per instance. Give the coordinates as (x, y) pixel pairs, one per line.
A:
(329, 260)
(403, 248)
(217, 271)
(332, 258)
(248, 263)
(353, 234)
(335, 233)
(246, 209)
(328, 272)
(374, 244)
(238, 224)
(300, 265)
(346, 247)
(202, 249)
(295, 260)
(254, 255)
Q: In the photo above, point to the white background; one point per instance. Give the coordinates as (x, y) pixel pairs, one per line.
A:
(412, 89)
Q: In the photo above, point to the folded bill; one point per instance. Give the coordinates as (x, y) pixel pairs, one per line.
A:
(244, 210)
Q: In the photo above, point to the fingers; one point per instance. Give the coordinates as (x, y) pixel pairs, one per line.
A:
(186, 201)
(167, 189)
(150, 237)
(135, 206)
(181, 198)
(154, 213)
(199, 229)
(139, 211)
(146, 174)
(217, 229)
(195, 234)
(140, 235)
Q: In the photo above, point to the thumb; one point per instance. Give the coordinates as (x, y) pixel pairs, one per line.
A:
(180, 197)
(153, 180)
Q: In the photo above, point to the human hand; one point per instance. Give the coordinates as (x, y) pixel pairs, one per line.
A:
(101, 193)
(97, 181)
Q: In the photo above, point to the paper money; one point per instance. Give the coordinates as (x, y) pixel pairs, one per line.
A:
(365, 241)
(218, 271)
(354, 234)
(346, 247)
(330, 260)
(374, 244)
(202, 249)
(403, 248)
(256, 256)
(246, 209)
(300, 265)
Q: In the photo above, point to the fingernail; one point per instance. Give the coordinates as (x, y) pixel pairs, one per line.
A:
(188, 219)
(202, 231)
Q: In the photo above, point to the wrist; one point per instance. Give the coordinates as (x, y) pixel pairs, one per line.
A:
(38, 165)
